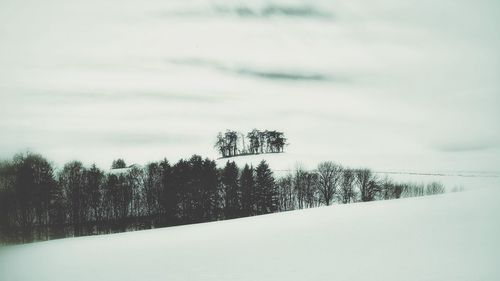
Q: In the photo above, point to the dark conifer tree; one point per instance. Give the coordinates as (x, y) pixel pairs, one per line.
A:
(266, 192)
(93, 190)
(152, 192)
(181, 187)
(232, 194)
(247, 184)
(210, 195)
(33, 186)
(8, 205)
(171, 179)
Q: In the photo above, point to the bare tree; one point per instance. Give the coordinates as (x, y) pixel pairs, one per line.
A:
(329, 175)
(367, 184)
(434, 188)
(310, 182)
(347, 193)
(72, 180)
(286, 193)
(299, 186)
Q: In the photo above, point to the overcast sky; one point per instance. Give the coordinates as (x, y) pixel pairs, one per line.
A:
(387, 84)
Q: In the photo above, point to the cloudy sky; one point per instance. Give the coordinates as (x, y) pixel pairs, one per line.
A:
(386, 84)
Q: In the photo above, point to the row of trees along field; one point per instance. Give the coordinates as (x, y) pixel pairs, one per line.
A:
(232, 143)
(38, 202)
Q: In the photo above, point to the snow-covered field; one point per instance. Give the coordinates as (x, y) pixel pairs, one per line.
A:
(447, 237)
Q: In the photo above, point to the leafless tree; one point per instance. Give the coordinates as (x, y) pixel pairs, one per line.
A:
(434, 188)
(367, 184)
(347, 193)
(329, 175)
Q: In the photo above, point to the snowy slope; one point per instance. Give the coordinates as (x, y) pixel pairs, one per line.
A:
(447, 237)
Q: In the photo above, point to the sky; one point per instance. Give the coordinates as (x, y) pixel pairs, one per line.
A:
(385, 84)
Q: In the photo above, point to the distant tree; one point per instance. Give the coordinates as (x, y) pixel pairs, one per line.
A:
(8, 206)
(266, 193)
(172, 179)
(347, 193)
(310, 181)
(247, 184)
(254, 139)
(221, 145)
(387, 188)
(134, 179)
(300, 186)
(275, 141)
(72, 181)
(118, 164)
(367, 184)
(231, 138)
(398, 190)
(195, 190)
(232, 194)
(119, 196)
(181, 185)
(286, 193)
(279, 142)
(93, 193)
(434, 188)
(329, 176)
(57, 213)
(263, 141)
(413, 190)
(210, 192)
(152, 193)
(33, 187)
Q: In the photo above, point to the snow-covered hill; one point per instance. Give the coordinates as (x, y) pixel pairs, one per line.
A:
(447, 237)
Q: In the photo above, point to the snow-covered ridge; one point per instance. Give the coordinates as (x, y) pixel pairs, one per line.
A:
(447, 237)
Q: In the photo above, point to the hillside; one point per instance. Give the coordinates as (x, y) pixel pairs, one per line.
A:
(447, 237)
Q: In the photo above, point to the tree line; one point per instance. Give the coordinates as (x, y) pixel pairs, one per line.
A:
(232, 143)
(39, 202)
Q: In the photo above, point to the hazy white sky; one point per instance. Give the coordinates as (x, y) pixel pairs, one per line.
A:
(387, 84)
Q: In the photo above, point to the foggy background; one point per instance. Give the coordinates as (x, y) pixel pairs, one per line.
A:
(384, 84)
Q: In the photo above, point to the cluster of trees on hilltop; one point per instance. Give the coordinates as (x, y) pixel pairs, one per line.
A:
(39, 202)
(232, 143)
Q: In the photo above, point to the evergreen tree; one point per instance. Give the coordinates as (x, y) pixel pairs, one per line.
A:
(152, 192)
(94, 180)
(34, 184)
(210, 196)
(247, 184)
(232, 194)
(266, 192)
(170, 180)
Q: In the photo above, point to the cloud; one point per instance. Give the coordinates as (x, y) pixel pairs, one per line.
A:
(274, 10)
(268, 74)
(270, 10)
(465, 146)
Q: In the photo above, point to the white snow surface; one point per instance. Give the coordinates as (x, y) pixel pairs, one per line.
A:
(447, 237)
